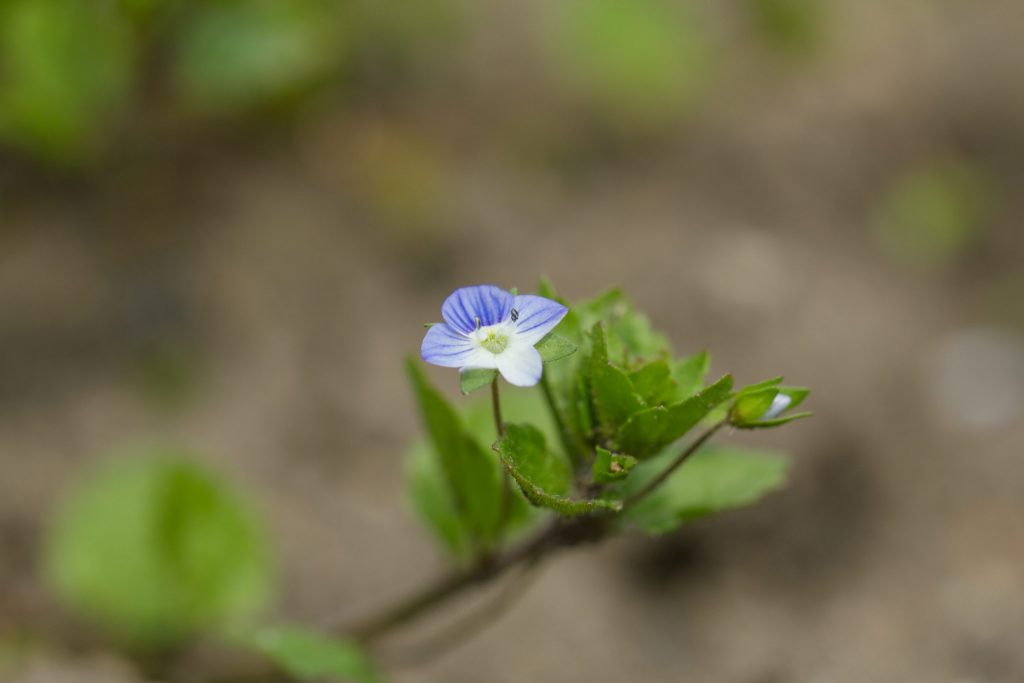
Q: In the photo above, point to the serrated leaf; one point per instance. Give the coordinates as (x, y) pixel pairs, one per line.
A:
(156, 549)
(471, 379)
(651, 430)
(472, 473)
(308, 655)
(712, 481)
(609, 467)
(543, 476)
(653, 383)
(555, 347)
(614, 399)
(690, 373)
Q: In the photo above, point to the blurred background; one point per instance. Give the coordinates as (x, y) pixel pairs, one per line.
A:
(223, 223)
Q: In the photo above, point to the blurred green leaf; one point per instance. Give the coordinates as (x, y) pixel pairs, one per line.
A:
(67, 66)
(472, 379)
(635, 59)
(555, 347)
(609, 467)
(543, 475)
(157, 548)
(431, 499)
(239, 54)
(471, 471)
(649, 431)
(308, 655)
(713, 480)
(932, 214)
(794, 27)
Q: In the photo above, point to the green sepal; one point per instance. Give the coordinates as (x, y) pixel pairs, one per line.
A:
(543, 475)
(555, 347)
(752, 405)
(609, 467)
(776, 422)
(471, 379)
(766, 384)
(651, 430)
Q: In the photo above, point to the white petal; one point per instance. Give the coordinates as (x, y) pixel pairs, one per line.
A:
(520, 364)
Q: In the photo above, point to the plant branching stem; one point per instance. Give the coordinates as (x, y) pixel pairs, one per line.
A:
(560, 533)
(451, 636)
(667, 472)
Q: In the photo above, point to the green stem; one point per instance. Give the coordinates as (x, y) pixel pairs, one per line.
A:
(680, 459)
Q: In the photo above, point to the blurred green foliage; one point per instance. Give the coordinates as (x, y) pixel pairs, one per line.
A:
(236, 54)
(308, 655)
(793, 27)
(65, 68)
(931, 214)
(156, 548)
(638, 60)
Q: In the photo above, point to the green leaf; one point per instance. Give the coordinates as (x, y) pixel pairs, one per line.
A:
(156, 549)
(653, 383)
(554, 347)
(309, 655)
(690, 373)
(713, 480)
(614, 399)
(67, 69)
(543, 476)
(430, 496)
(609, 467)
(472, 379)
(651, 430)
(235, 55)
(472, 473)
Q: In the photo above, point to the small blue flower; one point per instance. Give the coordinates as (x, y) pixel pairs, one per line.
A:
(486, 327)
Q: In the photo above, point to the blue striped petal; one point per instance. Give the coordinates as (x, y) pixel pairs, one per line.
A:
(446, 347)
(536, 316)
(470, 307)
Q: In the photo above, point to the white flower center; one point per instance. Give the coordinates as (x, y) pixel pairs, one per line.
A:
(494, 338)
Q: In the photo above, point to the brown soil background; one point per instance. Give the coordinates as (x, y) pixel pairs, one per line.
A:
(297, 284)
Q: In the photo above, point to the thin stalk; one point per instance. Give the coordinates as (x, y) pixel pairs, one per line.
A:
(680, 459)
